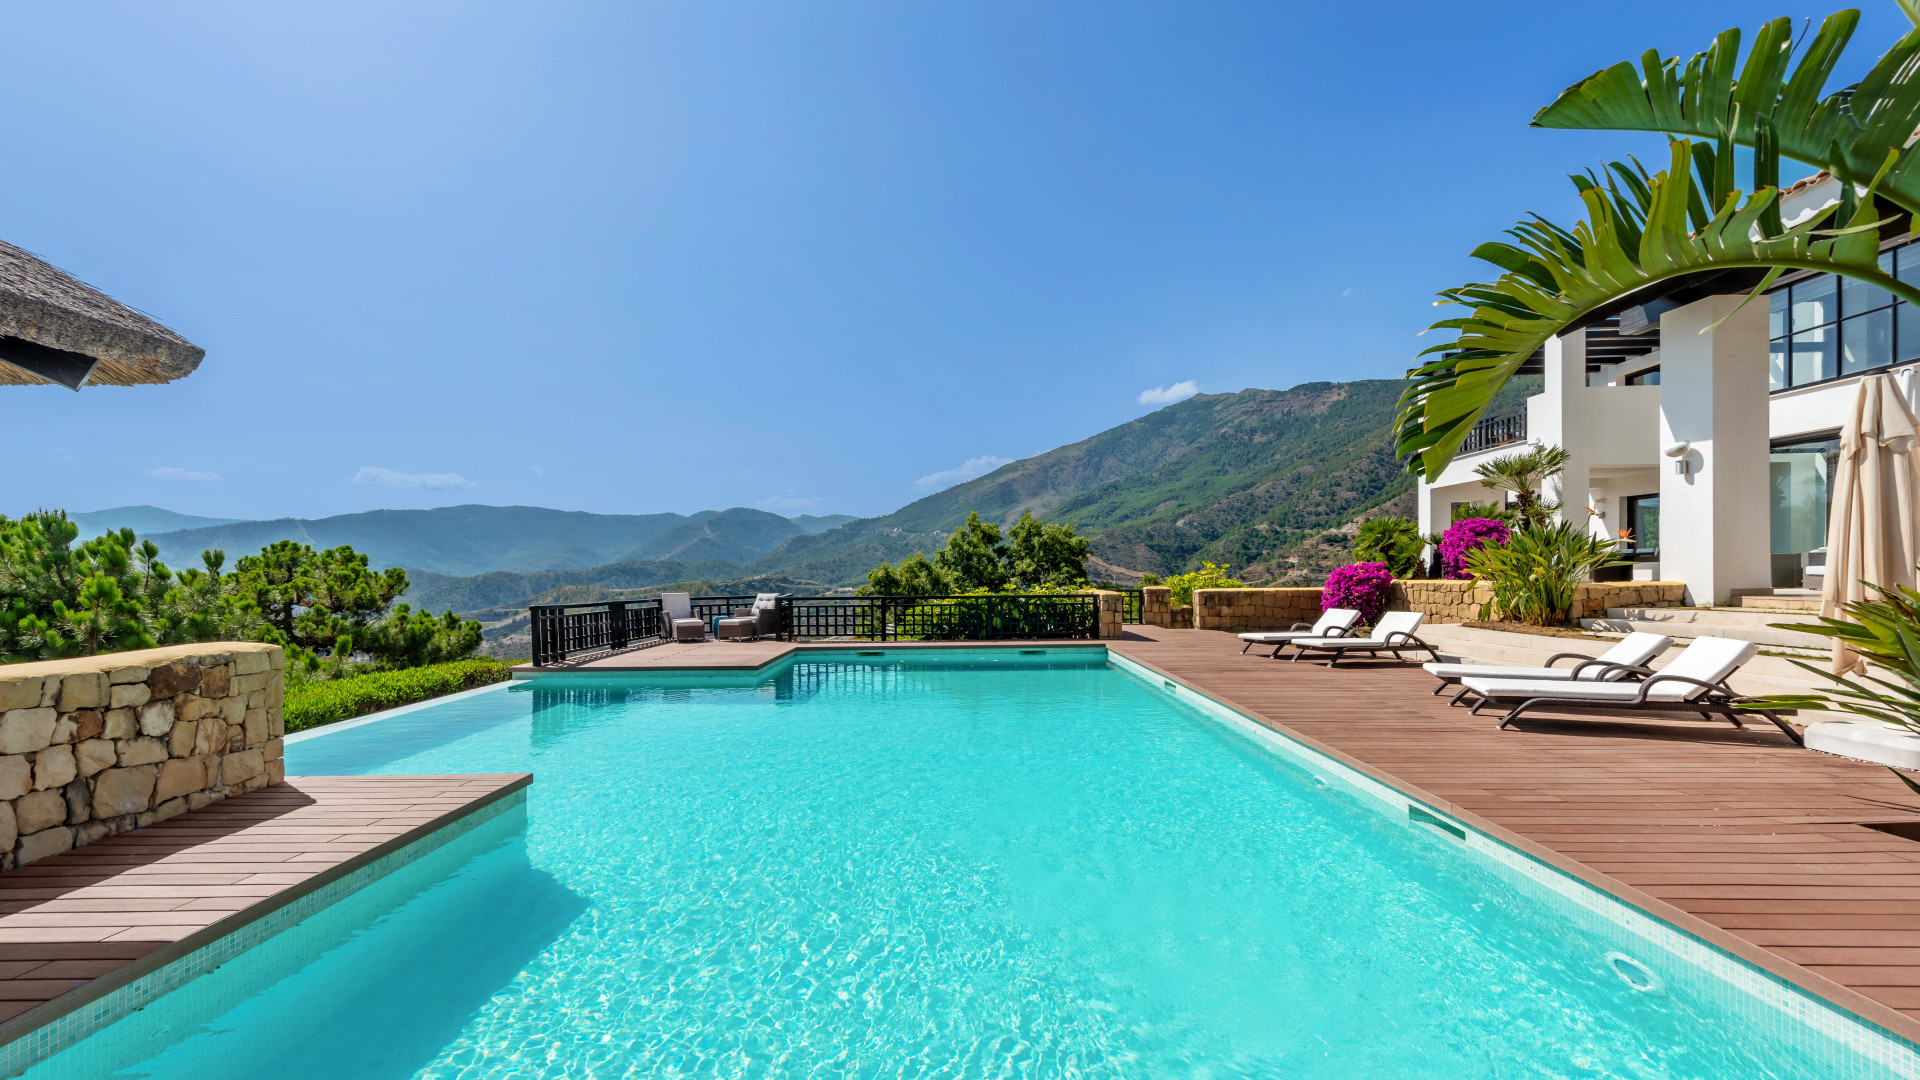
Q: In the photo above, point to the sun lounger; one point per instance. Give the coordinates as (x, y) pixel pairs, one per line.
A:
(1333, 622)
(1696, 682)
(1619, 662)
(1392, 633)
(677, 621)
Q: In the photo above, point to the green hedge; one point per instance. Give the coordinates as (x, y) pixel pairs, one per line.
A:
(325, 701)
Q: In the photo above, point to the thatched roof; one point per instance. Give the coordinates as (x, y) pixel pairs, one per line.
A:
(54, 328)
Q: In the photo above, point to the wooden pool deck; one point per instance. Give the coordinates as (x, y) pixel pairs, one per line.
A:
(750, 655)
(81, 923)
(1738, 836)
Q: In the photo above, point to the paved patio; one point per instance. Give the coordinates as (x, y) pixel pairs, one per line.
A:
(1739, 836)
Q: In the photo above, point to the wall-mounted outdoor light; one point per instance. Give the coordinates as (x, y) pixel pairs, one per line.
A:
(1682, 462)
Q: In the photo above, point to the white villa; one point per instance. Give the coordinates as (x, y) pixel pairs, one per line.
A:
(1715, 447)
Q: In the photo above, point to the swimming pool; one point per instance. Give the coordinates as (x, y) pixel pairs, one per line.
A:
(952, 863)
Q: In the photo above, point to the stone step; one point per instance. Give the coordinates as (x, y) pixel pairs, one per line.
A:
(1798, 601)
(1761, 675)
(1713, 616)
(1764, 636)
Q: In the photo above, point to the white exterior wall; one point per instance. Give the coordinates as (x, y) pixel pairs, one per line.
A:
(1713, 517)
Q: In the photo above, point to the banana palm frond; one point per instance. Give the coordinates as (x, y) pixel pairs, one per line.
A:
(1849, 132)
(1636, 234)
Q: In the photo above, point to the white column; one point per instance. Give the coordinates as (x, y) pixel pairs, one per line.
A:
(1563, 423)
(1713, 396)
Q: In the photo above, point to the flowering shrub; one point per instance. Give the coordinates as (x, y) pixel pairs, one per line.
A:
(1466, 535)
(1364, 586)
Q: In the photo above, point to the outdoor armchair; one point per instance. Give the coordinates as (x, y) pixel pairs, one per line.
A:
(1393, 633)
(1696, 682)
(1333, 622)
(1631, 652)
(677, 621)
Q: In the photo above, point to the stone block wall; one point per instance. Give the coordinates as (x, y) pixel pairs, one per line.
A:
(1460, 601)
(99, 745)
(1254, 609)
(1112, 610)
(1156, 605)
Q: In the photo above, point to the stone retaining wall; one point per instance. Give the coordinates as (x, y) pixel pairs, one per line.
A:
(1254, 609)
(100, 745)
(1459, 601)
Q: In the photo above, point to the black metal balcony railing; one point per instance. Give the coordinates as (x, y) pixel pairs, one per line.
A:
(1501, 429)
(565, 631)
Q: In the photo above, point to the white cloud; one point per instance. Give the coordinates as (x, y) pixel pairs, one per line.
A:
(789, 503)
(374, 474)
(1167, 395)
(970, 468)
(174, 472)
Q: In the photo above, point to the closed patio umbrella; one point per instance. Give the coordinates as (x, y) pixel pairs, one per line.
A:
(1873, 536)
(55, 328)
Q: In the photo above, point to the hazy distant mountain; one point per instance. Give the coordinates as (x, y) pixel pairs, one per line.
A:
(455, 540)
(738, 536)
(503, 587)
(141, 519)
(810, 524)
(459, 541)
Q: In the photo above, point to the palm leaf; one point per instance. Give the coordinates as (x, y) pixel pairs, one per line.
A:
(1635, 235)
(1848, 132)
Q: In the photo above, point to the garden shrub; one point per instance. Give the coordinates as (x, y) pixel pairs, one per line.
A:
(325, 701)
(1208, 576)
(1366, 587)
(1463, 536)
(1537, 573)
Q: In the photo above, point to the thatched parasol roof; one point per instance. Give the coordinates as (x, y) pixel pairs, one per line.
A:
(55, 328)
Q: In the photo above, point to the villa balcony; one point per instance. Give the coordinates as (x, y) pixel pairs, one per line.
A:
(1500, 429)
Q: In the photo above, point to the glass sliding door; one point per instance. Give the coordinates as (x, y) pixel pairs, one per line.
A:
(1800, 477)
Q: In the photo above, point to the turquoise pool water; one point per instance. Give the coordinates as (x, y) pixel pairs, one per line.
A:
(975, 864)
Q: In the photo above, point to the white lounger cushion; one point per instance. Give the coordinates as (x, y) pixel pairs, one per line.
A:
(1393, 622)
(1634, 650)
(1707, 659)
(1330, 620)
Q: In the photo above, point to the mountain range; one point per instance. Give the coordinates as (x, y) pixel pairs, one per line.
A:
(1270, 482)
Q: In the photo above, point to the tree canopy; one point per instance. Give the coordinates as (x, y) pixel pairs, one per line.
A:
(113, 593)
(976, 557)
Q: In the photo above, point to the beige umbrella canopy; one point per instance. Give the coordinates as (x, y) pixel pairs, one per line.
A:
(55, 328)
(1873, 529)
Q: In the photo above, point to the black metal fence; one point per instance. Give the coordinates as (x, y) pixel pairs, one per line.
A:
(1131, 601)
(1501, 429)
(566, 631)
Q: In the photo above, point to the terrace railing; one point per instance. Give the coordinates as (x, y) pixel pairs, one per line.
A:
(1500, 429)
(569, 631)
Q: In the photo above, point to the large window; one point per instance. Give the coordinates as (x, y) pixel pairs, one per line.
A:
(1800, 474)
(1828, 327)
(1643, 521)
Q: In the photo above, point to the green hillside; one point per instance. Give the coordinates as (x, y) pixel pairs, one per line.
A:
(1267, 481)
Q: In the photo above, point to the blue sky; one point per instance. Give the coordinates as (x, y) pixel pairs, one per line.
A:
(809, 257)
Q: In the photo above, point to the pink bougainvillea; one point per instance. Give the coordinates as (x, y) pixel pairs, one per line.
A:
(1366, 587)
(1465, 535)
